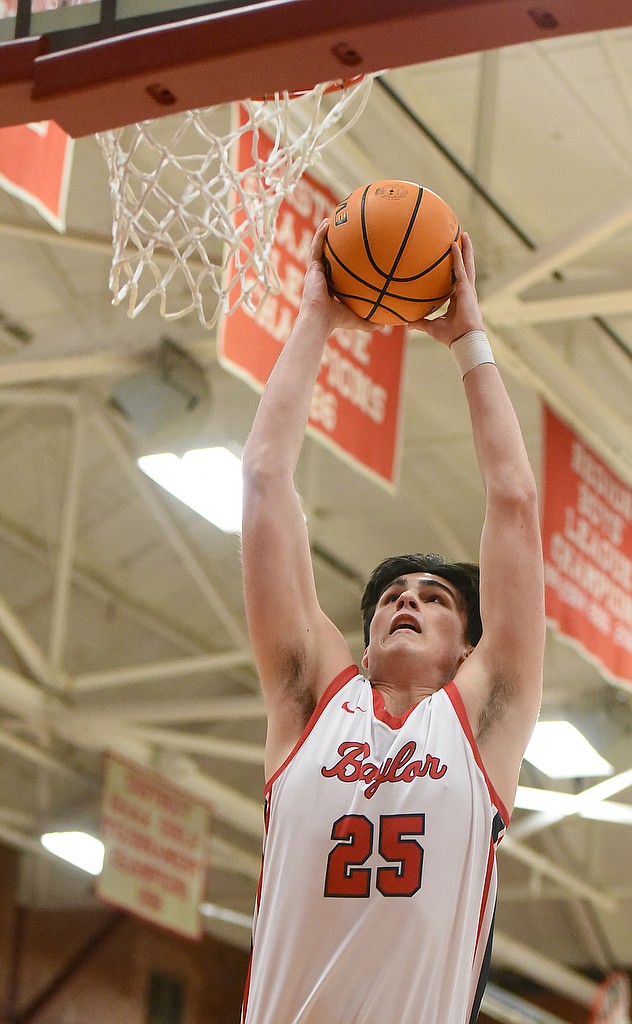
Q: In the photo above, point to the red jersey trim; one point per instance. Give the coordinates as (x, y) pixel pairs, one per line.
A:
(393, 721)
(457, 703)
(334, 687)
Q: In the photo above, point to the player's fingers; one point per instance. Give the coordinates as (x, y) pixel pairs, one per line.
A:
(318, 240)
(468, 258)
(457, 257)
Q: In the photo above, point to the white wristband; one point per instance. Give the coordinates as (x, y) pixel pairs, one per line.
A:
(471, 350)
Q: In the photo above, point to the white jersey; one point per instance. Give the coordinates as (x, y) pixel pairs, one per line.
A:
(378, 885)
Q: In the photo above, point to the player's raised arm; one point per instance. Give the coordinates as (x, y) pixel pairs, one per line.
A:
(501, 682)
(297, 649)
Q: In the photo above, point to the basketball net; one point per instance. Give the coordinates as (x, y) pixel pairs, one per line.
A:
(612, 1002)
(183, 211)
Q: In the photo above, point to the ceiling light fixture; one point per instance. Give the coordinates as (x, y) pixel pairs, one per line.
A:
(78, 848)
(560, 751)
(208, 480)
(551, 802)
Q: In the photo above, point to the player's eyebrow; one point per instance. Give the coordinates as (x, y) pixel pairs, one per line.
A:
(435, 583)
(402, 581)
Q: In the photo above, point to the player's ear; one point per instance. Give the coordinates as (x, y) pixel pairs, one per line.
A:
(365, 658)
(466, 653)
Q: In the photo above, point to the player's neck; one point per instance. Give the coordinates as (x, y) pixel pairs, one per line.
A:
(401, 694)
(406, 677)
(398, 702)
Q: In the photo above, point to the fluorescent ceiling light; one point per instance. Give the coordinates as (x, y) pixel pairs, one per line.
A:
(208, 480)
(560, 751)
(78, 848)
(552, 802)
(547, 800)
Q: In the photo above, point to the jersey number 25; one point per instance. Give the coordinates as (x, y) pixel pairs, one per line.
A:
(345, 875)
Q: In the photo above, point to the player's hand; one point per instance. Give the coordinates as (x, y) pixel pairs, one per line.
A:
(317, 298)
(463, 313)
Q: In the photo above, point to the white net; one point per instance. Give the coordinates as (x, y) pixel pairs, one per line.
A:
(192, 228)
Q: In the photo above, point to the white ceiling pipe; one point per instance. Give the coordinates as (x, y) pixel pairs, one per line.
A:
(548, 973)
(86, 584)
(30, 652)
(225, 709)
(618, 70)
(539, 265)
(198, 743)
(578, 803)
(570, 307)
(45, 396)
(229, 857)
(510, 1009)
(485, 124)
(221, 854)
(14, 818)
(151, 671)
(535, 888)
(17, 840)
(172, 712)
(20, 697)
(538, 365)
(228, 804)
(68, 240)
(20, 370)
(94, 737)
(35, 755)
(173, 535)
(65, 555)
(231, 806)
(545, 866)
(551, 802)
(81, 241)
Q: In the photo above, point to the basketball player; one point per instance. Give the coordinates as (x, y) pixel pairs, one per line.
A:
(387, 788)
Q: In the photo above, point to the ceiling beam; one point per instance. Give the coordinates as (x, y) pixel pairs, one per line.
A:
(34, 754)
(545, 866)
(20, 696)
(28, 650)
(200, 743)
(172, 534)
(167, 669)
(510, 311)
(577, 803)
(548, 259)
(531, 799)
(62, 588)
(546, 972)
(536, 363)
(86, 584)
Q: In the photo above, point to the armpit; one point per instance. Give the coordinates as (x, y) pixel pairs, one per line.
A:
(292, 671)
(493, 709)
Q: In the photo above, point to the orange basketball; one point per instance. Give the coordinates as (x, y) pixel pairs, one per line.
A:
(387, 251)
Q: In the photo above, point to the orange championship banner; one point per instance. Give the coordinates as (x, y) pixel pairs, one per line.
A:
(35, 163)
(357, 400)
(587, 534)
(155, 836)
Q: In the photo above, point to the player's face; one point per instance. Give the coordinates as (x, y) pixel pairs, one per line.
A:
(418, 612)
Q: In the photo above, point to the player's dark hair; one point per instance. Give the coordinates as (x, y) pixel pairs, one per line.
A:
(462, 575)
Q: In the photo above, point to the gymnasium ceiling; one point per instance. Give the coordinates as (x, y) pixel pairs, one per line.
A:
(121, 617)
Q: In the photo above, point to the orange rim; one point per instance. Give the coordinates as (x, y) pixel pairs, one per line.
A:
(336, 86)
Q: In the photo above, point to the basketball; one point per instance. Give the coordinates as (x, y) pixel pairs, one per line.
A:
(387, 252)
